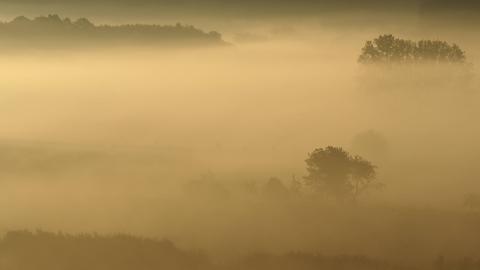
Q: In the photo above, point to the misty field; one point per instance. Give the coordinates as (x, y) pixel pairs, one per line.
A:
(260, 140)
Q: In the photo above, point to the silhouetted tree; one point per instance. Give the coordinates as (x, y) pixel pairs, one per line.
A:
(335, 171)
(388, 49)
(362, 174)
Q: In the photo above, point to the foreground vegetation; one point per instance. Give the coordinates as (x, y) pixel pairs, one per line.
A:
(41, 250)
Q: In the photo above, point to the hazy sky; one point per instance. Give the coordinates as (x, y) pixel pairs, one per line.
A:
(193, 11)
(246, 7)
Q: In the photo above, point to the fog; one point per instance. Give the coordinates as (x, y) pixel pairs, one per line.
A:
(180, 143)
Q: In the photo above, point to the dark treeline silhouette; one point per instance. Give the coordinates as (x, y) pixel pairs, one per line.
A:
(54, 31)
(387, 49)
(23, 250)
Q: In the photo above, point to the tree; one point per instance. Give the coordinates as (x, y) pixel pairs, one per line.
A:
(388, 49)
(335, 171)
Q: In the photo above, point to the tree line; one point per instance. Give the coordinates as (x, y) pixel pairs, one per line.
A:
(332, 173)
(53, 29)
(387, 49)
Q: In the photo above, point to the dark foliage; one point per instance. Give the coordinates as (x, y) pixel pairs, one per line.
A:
(335, 171)
(55, 31)
(387, 49)
(42, 250)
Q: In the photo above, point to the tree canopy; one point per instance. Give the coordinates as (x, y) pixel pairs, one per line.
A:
(389, 49)
(335, 171)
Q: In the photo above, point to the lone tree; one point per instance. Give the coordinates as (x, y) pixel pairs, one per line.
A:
(388, 49)
(334, 171)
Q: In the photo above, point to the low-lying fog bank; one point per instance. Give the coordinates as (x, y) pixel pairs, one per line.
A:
(181, 144)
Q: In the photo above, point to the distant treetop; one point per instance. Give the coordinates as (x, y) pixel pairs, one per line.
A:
(387, 49)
